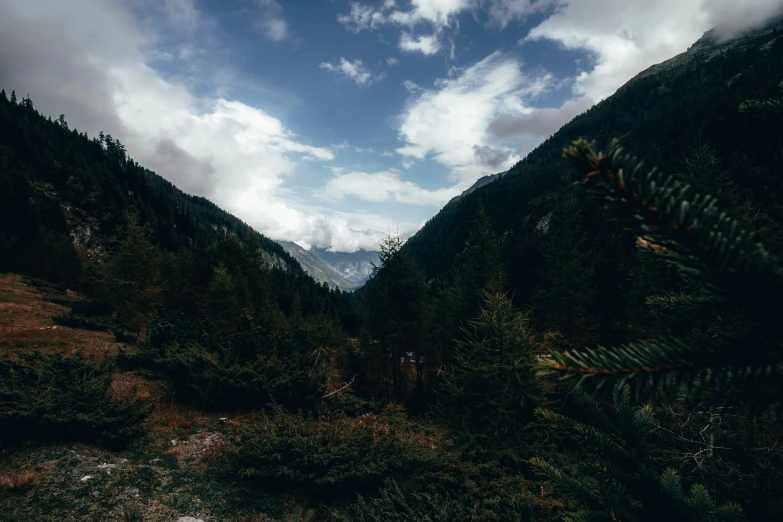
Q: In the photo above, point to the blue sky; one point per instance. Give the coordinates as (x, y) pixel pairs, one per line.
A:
(331, 122)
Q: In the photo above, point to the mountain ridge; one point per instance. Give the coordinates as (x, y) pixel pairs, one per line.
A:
(688, 99)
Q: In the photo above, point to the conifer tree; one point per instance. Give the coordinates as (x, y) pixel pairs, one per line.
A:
(13, 97)
(131, 279)
(610, 473)
(491, 390)
(688, 231)
(221, 300)
(479, 269)
(566, 288)
(397, 312)
(773, 106)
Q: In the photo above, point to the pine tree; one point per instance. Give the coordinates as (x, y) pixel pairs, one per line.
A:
(566, 289)
(3, 95)
(13, 97)
(397, 313)
(221, 299)
(491, 390)
(130, 279)
(688, 231)
(610, 474)
(479, 269)
(772, 106)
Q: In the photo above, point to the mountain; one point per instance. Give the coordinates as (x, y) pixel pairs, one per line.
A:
(480, 183)
(319, 269)
(659, 116)
(67, 200)
(353, 266)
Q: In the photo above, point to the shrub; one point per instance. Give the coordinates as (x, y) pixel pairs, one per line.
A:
(474, 493)
(48, 396)
(247, 369)
(336, 458)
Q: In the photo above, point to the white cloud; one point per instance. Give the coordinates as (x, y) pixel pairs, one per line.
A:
(452, 119)
(271, 20)
(182, 13)
(385, 186)
(350, 231)
(391, 61)
(539, 123)
(411, 86)
(426, 45)
(440, 16)
(355, 70)
(502, 12)
(439, 13)
(626, 38)
(362, 17)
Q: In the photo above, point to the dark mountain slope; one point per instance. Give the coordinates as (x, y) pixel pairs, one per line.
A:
(64, 197)
(687, 101)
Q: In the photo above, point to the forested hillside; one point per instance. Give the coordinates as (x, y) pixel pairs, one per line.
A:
(687, 102)
(65, 199)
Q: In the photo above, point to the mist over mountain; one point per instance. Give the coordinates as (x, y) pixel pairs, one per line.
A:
(354, 266)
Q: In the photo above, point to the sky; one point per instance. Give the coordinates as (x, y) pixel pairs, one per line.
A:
(332, 123)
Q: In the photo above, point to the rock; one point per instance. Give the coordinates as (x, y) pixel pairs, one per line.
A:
(222, 420)
(189, 519)
(107, 467)
(173, 442)
(85, 478)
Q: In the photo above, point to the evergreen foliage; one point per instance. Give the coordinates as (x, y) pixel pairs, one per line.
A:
(47, 396)
(688, 231)
(249, 368)
(130, 279)
(340, 458)
(396, 314)
(613, 476)
(491, 391)
(771, 106)
(479, 269)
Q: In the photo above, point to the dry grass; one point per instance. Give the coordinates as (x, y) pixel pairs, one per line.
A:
(127, 384)
(179, 417)
(18, 481)
(26, 323)
(179, 451)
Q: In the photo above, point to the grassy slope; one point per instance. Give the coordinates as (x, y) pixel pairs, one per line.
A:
(150, 480)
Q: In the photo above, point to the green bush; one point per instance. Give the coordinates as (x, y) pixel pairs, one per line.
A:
(51, 396)
(246, 369)
(336, 458)
(476, 493)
